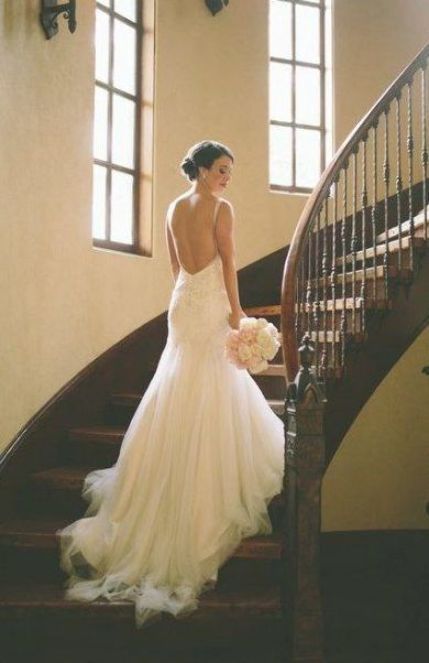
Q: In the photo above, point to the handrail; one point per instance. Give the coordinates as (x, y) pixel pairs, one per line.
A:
(316, 199)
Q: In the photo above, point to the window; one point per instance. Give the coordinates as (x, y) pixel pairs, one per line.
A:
(299, 32)
(118, 117)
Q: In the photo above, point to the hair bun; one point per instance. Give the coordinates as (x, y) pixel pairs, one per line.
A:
(190, 168)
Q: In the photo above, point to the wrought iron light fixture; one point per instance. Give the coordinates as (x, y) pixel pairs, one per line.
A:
(50, 12)
(216, 5)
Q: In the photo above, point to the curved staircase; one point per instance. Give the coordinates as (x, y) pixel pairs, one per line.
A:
(355, 292)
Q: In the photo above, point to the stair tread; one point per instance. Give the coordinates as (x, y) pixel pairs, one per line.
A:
(255, 599)
(393, 247)
(392, 273)
(405, 227)
(98, 433)
(274, 369)
(359, 303)
(41, 533)
(357, 337)
(269, 309)
(133, 398)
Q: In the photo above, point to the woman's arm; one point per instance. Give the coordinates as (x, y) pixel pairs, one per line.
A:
(174, 263)
(226, 246)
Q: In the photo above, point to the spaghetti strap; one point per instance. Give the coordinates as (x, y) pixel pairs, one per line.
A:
(216, 212)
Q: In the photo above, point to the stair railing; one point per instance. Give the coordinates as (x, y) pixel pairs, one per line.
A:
(335, 265)
(355, 235)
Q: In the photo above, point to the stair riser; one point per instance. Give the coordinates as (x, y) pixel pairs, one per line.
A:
(272, 386)
(29, 564)
(45, 500)
(87, 453)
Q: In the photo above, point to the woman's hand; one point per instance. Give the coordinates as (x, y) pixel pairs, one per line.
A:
(235, 317)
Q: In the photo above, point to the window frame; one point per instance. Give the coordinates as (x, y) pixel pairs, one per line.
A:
(136, 98)
(322, 128)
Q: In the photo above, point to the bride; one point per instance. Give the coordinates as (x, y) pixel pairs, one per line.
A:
(204, 454)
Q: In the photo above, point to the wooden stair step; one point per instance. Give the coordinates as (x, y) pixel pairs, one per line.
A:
(335, 337)
(47, 601)
(103, 434)
(392, 248)
(63, 478)
(41, 534)
(393, 273)
(348, 304)
(405, 228)
(274, 370)
(261, 311)
(133, 399)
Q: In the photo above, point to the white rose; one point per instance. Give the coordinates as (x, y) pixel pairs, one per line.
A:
(244, 352)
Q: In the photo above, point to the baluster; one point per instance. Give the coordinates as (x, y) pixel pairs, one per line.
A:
(424, 150)
(324, 362)
(301, 324)
(398, 177)
(298, 303)
(374, 211)
(410, 149)
(334, 272)
(364, 203)
(316, 304)
(309, 286)
(344, 283)
(353, 243)
(386, 177)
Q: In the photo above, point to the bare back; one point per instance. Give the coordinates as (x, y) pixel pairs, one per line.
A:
(192, 224)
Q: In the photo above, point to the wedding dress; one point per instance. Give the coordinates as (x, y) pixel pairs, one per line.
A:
(202, 458)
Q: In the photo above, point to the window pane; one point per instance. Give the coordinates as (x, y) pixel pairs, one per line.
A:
(123, 131)
(307, 157)
(124, 60)
(101, 46)
(280, 92)
(121, 224)
(99, 202)
(280, 29)
(100, 123)
(307, 95)
(126, 8)
(307, 34)
(280, 155)
(106, 3)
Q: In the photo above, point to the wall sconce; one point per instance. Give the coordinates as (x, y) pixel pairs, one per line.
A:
(216, 5)
(50, 12)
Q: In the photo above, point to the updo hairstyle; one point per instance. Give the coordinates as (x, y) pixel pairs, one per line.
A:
(203, 154)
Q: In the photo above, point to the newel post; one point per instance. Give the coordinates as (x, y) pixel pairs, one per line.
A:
(305, 458)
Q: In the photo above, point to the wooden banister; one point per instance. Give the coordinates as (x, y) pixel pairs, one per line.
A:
(321, 193)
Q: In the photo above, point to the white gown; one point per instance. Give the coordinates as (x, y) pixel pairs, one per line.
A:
(202, 458)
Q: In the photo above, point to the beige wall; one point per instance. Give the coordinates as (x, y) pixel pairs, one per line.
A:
(63, 303)
(379, 478)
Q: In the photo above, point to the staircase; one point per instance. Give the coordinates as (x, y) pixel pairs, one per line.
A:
(247, 594)
(355, 295)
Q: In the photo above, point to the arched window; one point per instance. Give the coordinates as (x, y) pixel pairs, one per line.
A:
(300, 134)
(122, 58)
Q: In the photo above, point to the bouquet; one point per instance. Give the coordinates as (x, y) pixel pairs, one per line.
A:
(250, 346)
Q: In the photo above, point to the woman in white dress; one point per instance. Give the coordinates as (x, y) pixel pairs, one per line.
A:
(204, 454)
